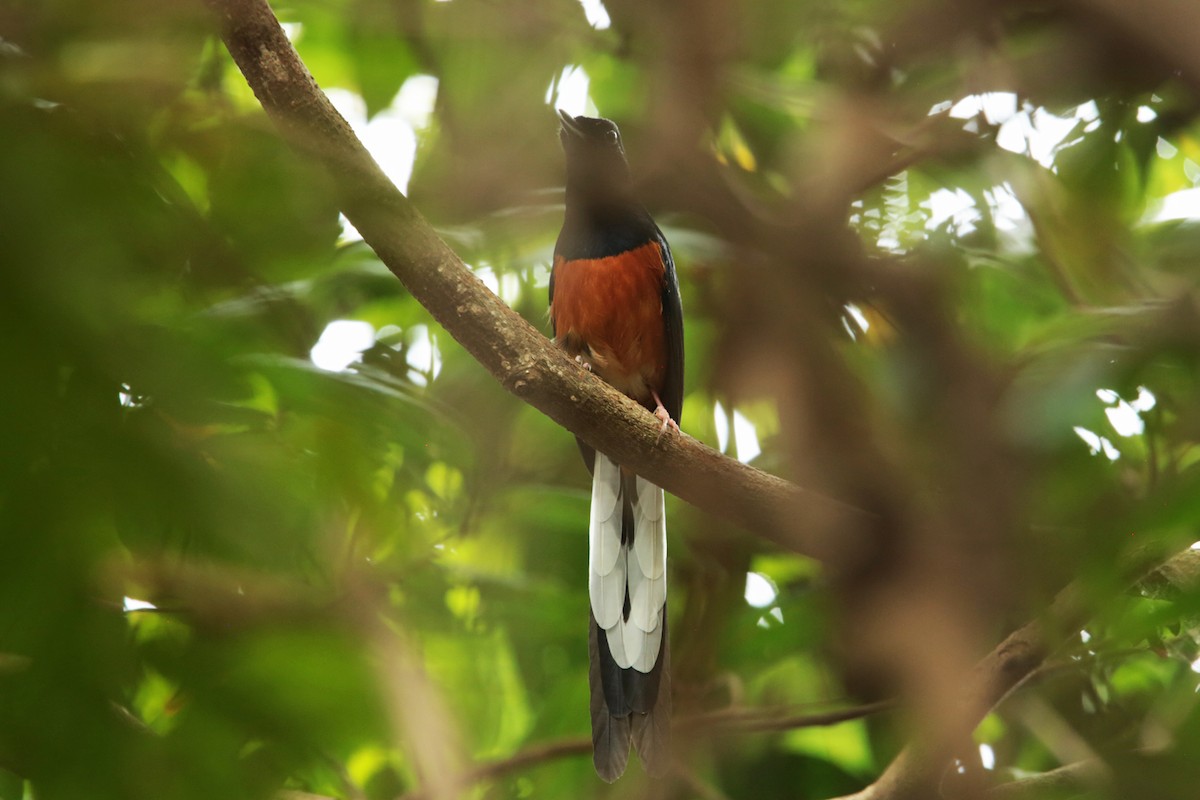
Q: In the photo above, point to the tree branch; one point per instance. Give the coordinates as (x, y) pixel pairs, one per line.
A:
(521, 358)
(725, 721)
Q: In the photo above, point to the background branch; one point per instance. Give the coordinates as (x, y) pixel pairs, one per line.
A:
(726, 721)
(919, 767)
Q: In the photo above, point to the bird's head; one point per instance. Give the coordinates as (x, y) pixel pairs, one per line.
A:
(595, 153)
(589, 134)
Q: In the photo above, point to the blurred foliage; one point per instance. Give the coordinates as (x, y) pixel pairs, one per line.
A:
(214, 543)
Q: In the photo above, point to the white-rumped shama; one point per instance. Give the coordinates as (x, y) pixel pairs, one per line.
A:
(615, 307)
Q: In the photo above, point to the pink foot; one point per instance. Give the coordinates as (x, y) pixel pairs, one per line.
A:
(664, 416)
(583, 363)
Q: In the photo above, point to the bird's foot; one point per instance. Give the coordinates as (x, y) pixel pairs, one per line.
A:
(664, 416)
(583, 362)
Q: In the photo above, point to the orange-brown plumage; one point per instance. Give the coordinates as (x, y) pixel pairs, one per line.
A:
(609, 311)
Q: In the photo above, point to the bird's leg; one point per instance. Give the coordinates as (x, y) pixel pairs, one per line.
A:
(661, 412)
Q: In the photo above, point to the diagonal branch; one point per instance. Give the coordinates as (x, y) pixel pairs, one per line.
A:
(521, 358)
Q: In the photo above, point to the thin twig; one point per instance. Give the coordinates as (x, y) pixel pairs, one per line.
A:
(744, 720)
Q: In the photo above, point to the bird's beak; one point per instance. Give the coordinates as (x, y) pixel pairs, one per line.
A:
(569, 125)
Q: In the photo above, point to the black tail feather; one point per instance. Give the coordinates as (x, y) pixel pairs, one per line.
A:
(610, 733)
(627, 707)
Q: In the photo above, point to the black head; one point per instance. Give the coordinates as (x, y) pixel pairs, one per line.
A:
(584, 134)
(595, 155)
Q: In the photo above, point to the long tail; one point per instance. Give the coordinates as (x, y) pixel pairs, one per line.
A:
(627, 584)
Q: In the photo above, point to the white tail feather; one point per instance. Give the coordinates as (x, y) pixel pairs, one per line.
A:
(608, 594)
(605, 523)
(651, 644)
(632, 647)
(634, 641)
(650, 528)
(606, 557)
(646, 603)
(616, 644)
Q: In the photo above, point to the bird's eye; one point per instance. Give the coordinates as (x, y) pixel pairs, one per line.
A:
(614, 137)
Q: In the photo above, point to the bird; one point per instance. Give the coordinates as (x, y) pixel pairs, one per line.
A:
(615, 308)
